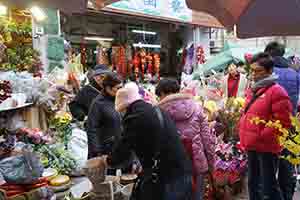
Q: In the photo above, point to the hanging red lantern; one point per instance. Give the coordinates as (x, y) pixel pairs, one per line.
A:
(150, 64)
(156, 58)
(143, 62)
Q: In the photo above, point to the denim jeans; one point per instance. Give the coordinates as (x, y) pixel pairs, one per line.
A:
(262, 183)
(287, 181)
(179, 189)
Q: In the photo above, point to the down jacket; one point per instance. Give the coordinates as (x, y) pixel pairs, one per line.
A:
(288, 78)
(192, 124)
(274, 104)
(104, 126)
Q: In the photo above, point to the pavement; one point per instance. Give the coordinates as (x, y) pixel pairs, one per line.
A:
(244, 195)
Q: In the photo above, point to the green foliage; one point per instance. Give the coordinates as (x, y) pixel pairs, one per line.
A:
(57, 157)
(19, 54)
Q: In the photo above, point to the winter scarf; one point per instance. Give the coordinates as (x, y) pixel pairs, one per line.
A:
(265, 82)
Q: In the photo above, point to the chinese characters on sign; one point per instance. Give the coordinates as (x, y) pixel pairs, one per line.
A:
(173, 9)
(150, 3)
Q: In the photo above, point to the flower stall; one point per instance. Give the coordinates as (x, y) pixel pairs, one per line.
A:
(36, 158)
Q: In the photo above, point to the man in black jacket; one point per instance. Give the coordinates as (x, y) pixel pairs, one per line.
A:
(104, 122)
(153, 136)
(80, 106)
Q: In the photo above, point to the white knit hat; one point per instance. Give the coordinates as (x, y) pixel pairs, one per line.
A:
(126, 96)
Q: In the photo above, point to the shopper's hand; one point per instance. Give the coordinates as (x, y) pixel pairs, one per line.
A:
(136, 168)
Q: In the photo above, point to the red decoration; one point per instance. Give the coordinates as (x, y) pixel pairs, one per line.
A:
(200, 55)
(136, 64)
(150, 64)
(248, 57)
(143, 62)
(156, 58)
(121, 67)
(184, 56)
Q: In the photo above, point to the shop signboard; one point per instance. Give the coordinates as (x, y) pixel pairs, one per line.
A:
(170, 9)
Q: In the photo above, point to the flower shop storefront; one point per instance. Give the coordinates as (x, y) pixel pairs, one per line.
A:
(129, 46)
(139, 37)
(36, 160)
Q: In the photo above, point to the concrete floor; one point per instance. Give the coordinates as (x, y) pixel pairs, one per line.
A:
(244, 197)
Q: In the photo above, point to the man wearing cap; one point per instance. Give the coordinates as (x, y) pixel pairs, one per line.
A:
(80, 106)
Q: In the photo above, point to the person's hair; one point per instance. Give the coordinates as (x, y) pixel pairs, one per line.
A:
(167, 86)
(275, 49)
(265, 60)
(240, 64)
(111, 80)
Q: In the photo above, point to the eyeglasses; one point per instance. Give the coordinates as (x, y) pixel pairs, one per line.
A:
(257, 71)
(117, 87)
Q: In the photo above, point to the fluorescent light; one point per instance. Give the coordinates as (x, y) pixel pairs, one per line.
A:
(144, 32)
(38, 13)
(158, 46)
(99, 39)
(3, 10)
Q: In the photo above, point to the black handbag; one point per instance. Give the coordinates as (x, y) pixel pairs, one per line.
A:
(148, 185)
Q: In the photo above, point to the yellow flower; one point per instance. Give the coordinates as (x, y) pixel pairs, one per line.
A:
(211, 106)
(241, 101)
(294, 161)
(270, 124)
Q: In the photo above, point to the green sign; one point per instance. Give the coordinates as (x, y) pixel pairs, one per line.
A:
(173, 9)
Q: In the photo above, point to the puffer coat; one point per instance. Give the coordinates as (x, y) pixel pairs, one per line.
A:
(192, 124)
(289, 79)
(274, 104)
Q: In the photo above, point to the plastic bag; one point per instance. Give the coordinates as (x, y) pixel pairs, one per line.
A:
(78, 147)
(22, 169)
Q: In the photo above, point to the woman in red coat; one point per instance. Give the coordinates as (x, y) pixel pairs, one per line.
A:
(268, 101)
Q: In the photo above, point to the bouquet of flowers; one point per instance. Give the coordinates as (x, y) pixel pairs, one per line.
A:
(33, 136)
(230, 115)
(61, 123)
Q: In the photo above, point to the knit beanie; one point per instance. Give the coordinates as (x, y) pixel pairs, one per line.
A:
(126, 96)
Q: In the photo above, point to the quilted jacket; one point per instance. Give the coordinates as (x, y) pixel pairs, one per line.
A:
(192, 124)
(274, 104)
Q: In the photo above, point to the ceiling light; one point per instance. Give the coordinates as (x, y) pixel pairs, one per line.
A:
(3, 10)
(154, 46)
(144, 32)
(38, 13)
(99, 39)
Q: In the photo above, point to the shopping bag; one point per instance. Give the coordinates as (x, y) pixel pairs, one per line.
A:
(25, 168)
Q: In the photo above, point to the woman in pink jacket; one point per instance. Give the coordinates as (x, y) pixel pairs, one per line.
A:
(193, 127)
(270, 102)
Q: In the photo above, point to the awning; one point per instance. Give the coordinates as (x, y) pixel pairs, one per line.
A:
(254, 18)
